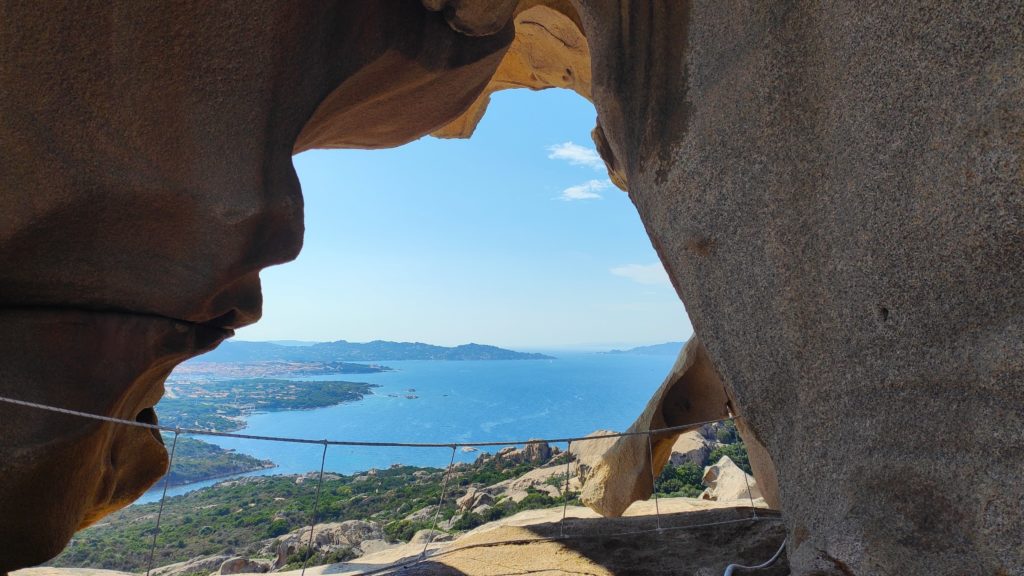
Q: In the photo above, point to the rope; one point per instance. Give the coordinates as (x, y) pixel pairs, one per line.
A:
(654, 482)
(316, 504)
(440, 502)
(163, 497)
(177, 430)
(453, 445)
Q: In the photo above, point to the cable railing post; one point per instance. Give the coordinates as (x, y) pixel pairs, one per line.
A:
(654, 481)
(160, 510)
(440, 503)
(565, 492)
(316, 504)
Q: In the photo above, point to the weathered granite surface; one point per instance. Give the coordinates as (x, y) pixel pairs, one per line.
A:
(836, 191)
(146, 179)
(616, 472)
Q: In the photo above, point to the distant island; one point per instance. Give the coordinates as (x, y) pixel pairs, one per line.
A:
(203, 368)
(344, 351)
(223, 404)
(666, 349)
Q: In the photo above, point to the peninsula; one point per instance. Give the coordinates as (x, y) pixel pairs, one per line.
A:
(344, 351)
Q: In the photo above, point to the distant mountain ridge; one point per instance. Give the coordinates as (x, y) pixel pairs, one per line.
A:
(665, 349)
(342, 350)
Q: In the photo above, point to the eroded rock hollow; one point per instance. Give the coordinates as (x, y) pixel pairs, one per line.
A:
(835, 190)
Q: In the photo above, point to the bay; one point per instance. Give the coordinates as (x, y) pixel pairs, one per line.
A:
(455, 402)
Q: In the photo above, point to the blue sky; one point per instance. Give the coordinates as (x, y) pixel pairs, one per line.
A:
(514, 238)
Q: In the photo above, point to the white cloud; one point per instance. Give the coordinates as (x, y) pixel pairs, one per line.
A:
(576, 155)
(586, 191)
(643, 273)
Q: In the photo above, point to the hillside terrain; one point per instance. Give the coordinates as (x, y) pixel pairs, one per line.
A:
(263, 518)
(378, 350)
(195, 461)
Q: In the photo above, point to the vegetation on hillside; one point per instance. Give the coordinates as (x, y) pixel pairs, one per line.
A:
(223, 404)
(685, 479)
(195, 460)
(239, 516)
(244, 516)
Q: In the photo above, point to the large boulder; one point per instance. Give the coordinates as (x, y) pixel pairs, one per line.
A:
(690, 447)
(472, 499)
(536, 453)
(726, 481)
(835, 192)
(242, 565)
(331, 536)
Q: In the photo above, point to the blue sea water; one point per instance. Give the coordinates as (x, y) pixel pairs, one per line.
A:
(466, 401)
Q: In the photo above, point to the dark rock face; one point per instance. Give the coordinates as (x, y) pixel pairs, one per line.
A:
(837, 193)
(60, 472)
(145, 168)
(147, 149)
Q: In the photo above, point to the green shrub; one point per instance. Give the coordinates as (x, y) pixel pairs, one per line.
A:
(403, 530)
(277, 528)
(682, 480)
(736, 452)
(727, 433)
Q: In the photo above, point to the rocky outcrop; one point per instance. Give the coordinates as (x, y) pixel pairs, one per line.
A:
(690, 447)
(535, 452)
(617, 472)
(538, 479)
(528, 543)
(242, 565)
(427, 535)
(359, 536)
(725, 481)
(472, 499)
(203, 565)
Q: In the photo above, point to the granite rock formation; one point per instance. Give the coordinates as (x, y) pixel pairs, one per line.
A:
(616, 472)
(690, 447)
(836, 193)
(834, 189)
(61, 472)
(727, 481)
(242, 565)
(145, 179)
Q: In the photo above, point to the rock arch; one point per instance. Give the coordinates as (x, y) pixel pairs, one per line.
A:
(798, 168)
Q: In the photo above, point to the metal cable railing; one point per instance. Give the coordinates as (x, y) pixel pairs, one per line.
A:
(454, 446)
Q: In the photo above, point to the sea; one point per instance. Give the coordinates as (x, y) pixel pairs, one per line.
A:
(451, 402)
